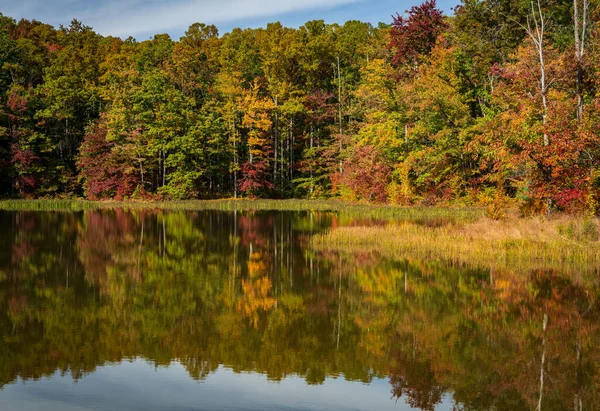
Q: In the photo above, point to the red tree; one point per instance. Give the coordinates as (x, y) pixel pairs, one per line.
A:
(414, 36)
(23, 159)
(105, 174)
(366, 175)
(255, 178)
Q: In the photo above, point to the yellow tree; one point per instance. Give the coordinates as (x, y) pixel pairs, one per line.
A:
(257, 120)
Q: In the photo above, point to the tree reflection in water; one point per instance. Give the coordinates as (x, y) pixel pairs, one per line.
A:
(245, 291)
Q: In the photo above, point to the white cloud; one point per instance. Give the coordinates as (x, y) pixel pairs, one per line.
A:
(125, 18)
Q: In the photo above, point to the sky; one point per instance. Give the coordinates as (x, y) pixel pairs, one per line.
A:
(140, 385)
(144, 18)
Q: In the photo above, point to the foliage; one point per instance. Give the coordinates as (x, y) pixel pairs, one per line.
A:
(413, 37)
(429, 109)
(366, 176)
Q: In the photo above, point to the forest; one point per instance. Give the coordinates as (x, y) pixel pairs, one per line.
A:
(496, 103)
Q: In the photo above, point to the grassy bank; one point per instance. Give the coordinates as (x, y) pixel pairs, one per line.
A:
(349, 209)
(461, 235)
(563, 243)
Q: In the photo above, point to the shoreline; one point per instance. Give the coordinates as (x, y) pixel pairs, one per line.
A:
(460, 234)
(377, 211)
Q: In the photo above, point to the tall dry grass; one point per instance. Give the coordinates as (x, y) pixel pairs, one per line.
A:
(349, 209)
(564, 243)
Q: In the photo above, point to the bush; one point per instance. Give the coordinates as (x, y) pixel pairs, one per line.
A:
(589, 230)
(495, 205)
(585, 231)
(532, 207)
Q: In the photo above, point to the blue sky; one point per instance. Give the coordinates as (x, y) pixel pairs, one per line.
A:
(144, 18)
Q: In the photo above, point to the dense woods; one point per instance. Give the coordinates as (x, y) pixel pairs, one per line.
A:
(497, 102)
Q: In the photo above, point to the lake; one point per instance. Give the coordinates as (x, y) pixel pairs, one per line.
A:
(212, 310)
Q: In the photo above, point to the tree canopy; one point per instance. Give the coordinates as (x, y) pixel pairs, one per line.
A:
(485, 103)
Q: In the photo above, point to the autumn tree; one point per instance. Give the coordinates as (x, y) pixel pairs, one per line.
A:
(258, 123)
(412, 37)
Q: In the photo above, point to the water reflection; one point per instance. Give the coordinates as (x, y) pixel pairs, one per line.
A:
(217, 294)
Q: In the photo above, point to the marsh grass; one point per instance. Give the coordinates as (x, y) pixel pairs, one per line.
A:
(423, 214)
(568, 244)
(461, 235)
(47, 205)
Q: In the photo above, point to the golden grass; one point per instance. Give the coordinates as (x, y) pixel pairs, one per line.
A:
(460, 235)
(564, 243)
(382, 212)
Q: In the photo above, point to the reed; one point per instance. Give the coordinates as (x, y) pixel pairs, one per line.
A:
(381, 212)
(46, 205)
(516, 243)
(458, 234)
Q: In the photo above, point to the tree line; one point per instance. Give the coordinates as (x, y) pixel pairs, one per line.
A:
(497, 101)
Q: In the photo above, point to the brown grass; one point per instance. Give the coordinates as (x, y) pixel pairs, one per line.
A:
(564, 243)
(357, 210)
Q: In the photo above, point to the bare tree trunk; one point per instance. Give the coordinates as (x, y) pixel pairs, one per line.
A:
(233, 137)
(275, 138)
(164, 174)
(339, 322)
(536, 26)
(160, 167)
(142, 172)
(235, 163)
(543, 362)
(164, 237)
(580, 28)
(235, 245)
(289, 147)
(340, 112)
(139, 257)
(337, 73)
(312, 166)
(578, 402)
(292, 155)
(281, 169)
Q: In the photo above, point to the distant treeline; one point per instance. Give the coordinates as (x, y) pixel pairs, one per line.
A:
(498, 101)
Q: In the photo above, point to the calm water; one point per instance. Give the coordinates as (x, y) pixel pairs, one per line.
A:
(118, 310)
